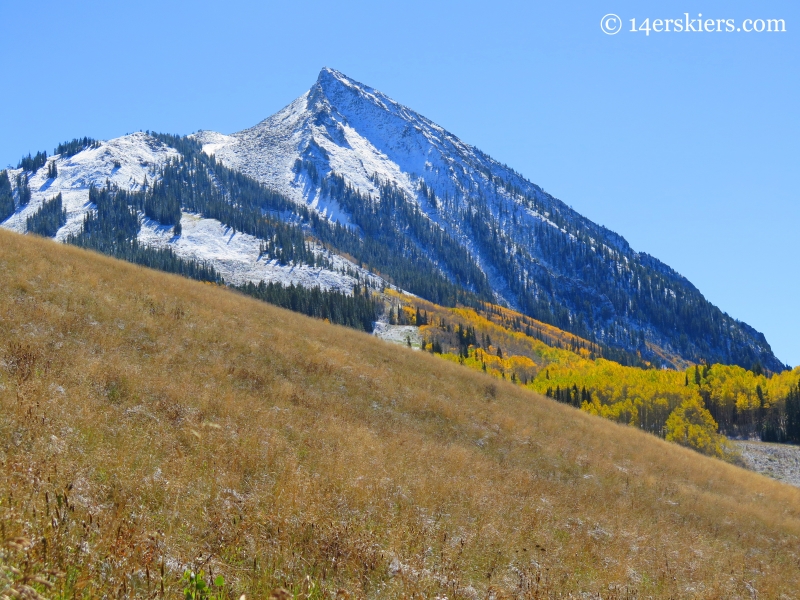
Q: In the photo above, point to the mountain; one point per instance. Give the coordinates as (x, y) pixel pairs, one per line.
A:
(346, 186)
(538, 255)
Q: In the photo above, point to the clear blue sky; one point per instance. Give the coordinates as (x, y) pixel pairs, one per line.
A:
(685, 143)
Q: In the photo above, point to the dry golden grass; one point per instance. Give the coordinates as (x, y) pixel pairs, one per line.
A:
(149, 423)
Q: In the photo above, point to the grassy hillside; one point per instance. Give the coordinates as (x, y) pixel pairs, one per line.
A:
(150, 423)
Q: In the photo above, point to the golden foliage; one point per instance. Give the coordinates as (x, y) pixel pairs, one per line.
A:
(693, 426)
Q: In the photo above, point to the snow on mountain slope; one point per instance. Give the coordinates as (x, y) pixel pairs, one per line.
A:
(236, 256)
(357, 130)
(350, 129)
(125, 162)
(354, 131)
(267, 152)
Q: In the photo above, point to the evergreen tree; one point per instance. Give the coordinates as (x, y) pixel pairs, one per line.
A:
(50, 217)
(7, 206)
(23, 190)
(33, 164)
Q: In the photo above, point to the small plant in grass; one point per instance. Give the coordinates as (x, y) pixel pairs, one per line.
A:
(196, 587)
(29, 579)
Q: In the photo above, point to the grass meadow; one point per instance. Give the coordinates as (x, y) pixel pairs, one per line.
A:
(151, 424)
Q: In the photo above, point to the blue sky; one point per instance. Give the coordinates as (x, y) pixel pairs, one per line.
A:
(684, 143)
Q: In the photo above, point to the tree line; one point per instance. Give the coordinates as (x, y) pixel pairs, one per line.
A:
(71, 148)
(359, 310)
(7, 206)
(33, 163)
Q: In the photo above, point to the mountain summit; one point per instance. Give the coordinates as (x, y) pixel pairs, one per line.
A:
(345, 187)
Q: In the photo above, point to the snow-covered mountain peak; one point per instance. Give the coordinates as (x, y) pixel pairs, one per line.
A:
(342, 91)
(329, 74)
(330, 78)
(344, 127)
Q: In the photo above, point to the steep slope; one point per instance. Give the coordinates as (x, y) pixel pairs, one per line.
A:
(149, 424)
(130, 163)
(343, 144)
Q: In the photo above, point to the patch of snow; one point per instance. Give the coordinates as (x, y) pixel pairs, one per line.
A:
(779, 461)
(398, 334)
(235, 255)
